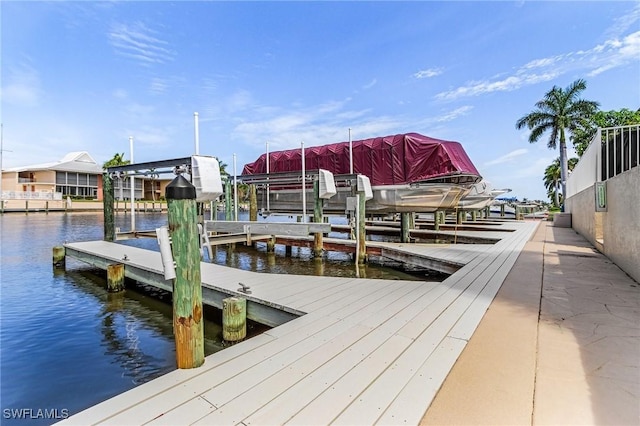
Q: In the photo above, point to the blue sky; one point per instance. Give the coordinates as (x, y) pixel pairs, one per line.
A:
(84, 76)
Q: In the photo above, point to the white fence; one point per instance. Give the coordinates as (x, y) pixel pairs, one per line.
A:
(612, 151)
(31, 195)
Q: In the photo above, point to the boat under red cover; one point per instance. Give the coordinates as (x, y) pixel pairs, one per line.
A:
(408, 172)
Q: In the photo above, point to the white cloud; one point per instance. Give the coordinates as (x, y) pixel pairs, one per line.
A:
(452, 115)
(158, 86)
(370, 84)
(139, 42)
(120, 94)
(507, 158)
(428, 73)
(22, 87)
(611, 54)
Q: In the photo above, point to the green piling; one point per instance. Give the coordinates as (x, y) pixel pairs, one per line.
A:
(253, 203)
(187, 291)
(234, 319)
(317, 218)
(228, 206)
(404, 227)
(59, 257)
(107, 211)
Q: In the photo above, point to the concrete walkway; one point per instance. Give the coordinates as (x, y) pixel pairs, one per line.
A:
(559, 345)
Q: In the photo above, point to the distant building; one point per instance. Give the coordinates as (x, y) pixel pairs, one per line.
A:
(76, 175)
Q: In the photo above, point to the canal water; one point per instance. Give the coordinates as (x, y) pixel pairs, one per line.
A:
(66, 344)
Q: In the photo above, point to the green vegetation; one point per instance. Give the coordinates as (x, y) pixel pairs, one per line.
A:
(117, 160)
(558, 113)
(552, 180)
(584, 134)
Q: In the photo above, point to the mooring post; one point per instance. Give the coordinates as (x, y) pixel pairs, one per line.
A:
(234, 319)
(187, 291)
(59, 257)
(26, 206)
(436, 220)
(253, 203)
(107, 202)
(459, 217)
(501, 210)
(228, 208)
(362, 245)
(46, 207)
(271, 244)
(404, 226)
(115, 277)
(474, 215)
(317, 218)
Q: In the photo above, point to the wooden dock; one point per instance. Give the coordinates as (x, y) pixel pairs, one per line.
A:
(348, 350)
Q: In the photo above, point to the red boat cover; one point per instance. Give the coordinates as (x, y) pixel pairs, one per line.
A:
(388, 160)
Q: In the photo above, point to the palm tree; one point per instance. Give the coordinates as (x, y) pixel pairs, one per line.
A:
(559, 112)
(117, 160)
(552, 179)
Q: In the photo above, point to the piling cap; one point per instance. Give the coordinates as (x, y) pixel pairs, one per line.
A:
(180, 189)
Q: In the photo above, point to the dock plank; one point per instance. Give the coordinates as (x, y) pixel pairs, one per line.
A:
(362, 351)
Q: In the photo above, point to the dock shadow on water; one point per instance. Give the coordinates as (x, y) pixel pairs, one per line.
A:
(68, 344)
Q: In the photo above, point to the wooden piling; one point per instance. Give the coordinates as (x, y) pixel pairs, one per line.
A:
(317, 218)
(271, 244)
(187, 291)
(501, 210)
(234, 319)
(115, 277)
(436, 220)
(26, 206)
(46, 207)
(253, 203)
(474, 216)
(362, 245)
(228, 207)
(404, 226)
(59, 257)
(108, 213)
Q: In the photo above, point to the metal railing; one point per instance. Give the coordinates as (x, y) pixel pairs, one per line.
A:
(613, 150)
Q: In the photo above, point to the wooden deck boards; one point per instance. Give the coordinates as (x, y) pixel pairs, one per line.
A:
(366, 351)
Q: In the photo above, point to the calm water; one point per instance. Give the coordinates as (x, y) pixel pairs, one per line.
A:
(66, 344)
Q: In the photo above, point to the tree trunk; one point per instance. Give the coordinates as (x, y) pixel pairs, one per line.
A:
(563, 167)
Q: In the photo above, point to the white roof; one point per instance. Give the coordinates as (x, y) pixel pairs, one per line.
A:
(79, 161)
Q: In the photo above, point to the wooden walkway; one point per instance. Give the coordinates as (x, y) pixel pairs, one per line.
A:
(361, 351)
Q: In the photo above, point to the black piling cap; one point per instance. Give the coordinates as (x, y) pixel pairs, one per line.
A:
(180, 189)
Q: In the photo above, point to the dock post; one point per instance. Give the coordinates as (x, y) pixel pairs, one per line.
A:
(271, 244)
(459, 214)
(404, 225)
(474, 216)
(187, 291)
(26, 206)
(115, 277)
(317, 218)
(362, 246)
(46, 207)
(436, 220)
(501, 210)
(234, 319)
(107, 202)
(59, 257)
(228, 208)
(253, 203)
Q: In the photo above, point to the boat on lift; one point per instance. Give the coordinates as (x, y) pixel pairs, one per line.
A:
(408, 173)
(480, 196)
